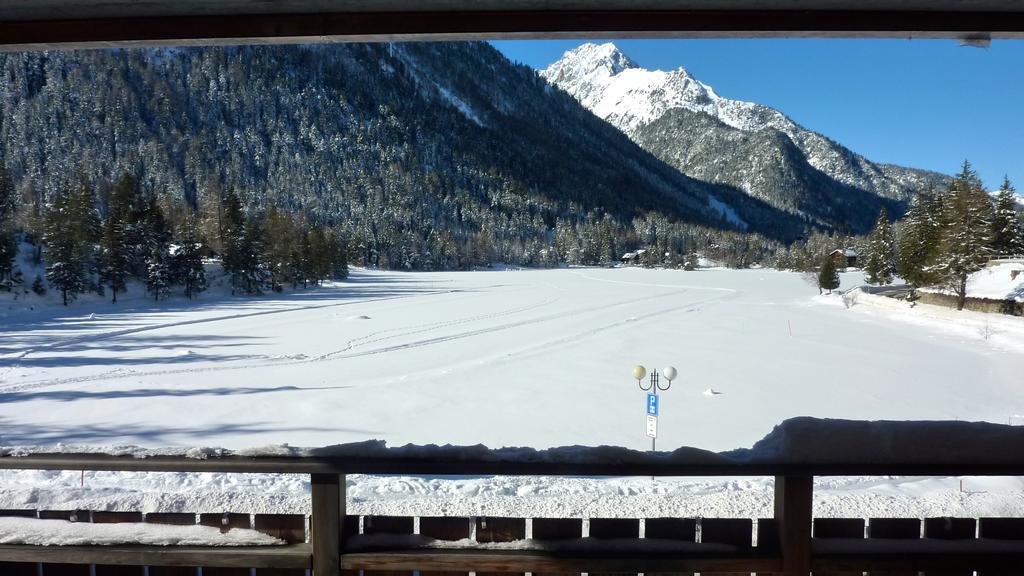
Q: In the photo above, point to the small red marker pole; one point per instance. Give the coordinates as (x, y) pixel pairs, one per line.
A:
(83, 478)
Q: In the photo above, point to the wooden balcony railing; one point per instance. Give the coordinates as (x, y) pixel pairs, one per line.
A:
(791, 543)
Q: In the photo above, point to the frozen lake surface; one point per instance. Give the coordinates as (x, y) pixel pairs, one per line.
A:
(535, 358)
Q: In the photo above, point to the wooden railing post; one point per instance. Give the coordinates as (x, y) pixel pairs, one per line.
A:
(325, 523)
(793, 497)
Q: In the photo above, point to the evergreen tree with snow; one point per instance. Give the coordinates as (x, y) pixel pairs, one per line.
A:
(158, 274)
(1007, 231)
(964, 244)
(8, 231)
(881, 257)
(66, 254)
(828, 275)
(115, 250)
(187, 260)
(919, 240)
(278, 242)
(248, 271)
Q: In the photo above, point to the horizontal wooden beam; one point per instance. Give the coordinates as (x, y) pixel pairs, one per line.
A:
(530, 561)
(291, 556)
(242, 26)
(912, 564)
(446, 464)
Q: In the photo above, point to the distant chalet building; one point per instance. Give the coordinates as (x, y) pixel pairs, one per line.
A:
(844, 257)
(633, 258)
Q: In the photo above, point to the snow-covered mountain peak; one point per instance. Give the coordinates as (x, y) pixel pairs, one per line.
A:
(593, 60)
(615, 88)
(646, 105)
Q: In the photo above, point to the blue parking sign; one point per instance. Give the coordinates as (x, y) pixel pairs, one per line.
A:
(652, 404)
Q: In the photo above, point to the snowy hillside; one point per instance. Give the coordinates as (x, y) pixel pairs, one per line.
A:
(612, 86)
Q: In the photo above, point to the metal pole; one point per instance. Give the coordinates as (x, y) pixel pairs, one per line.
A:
(654, 389)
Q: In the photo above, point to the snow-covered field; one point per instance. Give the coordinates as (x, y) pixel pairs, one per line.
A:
(504, 358)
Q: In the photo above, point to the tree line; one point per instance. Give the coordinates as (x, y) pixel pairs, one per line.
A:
(97, 240)
(946, 236)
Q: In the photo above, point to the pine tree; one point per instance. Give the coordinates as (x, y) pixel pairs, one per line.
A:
(278, 243)
(1007, 231)
(881, 258)
(158, 274)
(8, 232)
(966, 233)
(338, 256)
(66, 254)
(319, 255)
(247, 271)
(239, 259)
(919, 240)
(828, 275)
(187, 259)
(115, 250)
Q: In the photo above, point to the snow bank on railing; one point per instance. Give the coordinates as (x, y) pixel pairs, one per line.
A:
(364, 542)
(797, 440)
(35, 532)
(803, 440)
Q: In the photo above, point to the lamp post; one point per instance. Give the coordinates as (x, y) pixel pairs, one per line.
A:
(653, 387)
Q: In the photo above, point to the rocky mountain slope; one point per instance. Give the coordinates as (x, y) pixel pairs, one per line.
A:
(742, 144)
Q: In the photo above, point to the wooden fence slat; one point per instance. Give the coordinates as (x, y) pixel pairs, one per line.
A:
(499, 530)
(554, 529)
(225, 522)
(388, 525)
(445, 528)
(557, 528)
(19, 568)
(950, 529)
(174, 519)
(733, 531)
(684, 529)
(614, 527)
(101, 517)
(769, 541)
(349, 527)
(838, 527)
(65, 569)
(1000, 529)
(827, 528)
(624, 528)
(894, 529)
(288, 527)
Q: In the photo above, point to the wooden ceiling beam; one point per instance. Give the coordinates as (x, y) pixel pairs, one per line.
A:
(262, 28)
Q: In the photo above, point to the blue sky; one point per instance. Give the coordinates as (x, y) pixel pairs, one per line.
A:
(920, 103)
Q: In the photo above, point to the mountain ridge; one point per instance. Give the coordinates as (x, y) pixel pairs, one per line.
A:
(636, 100)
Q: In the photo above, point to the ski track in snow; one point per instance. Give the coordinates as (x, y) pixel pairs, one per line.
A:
(152, 327)
(345, 354)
